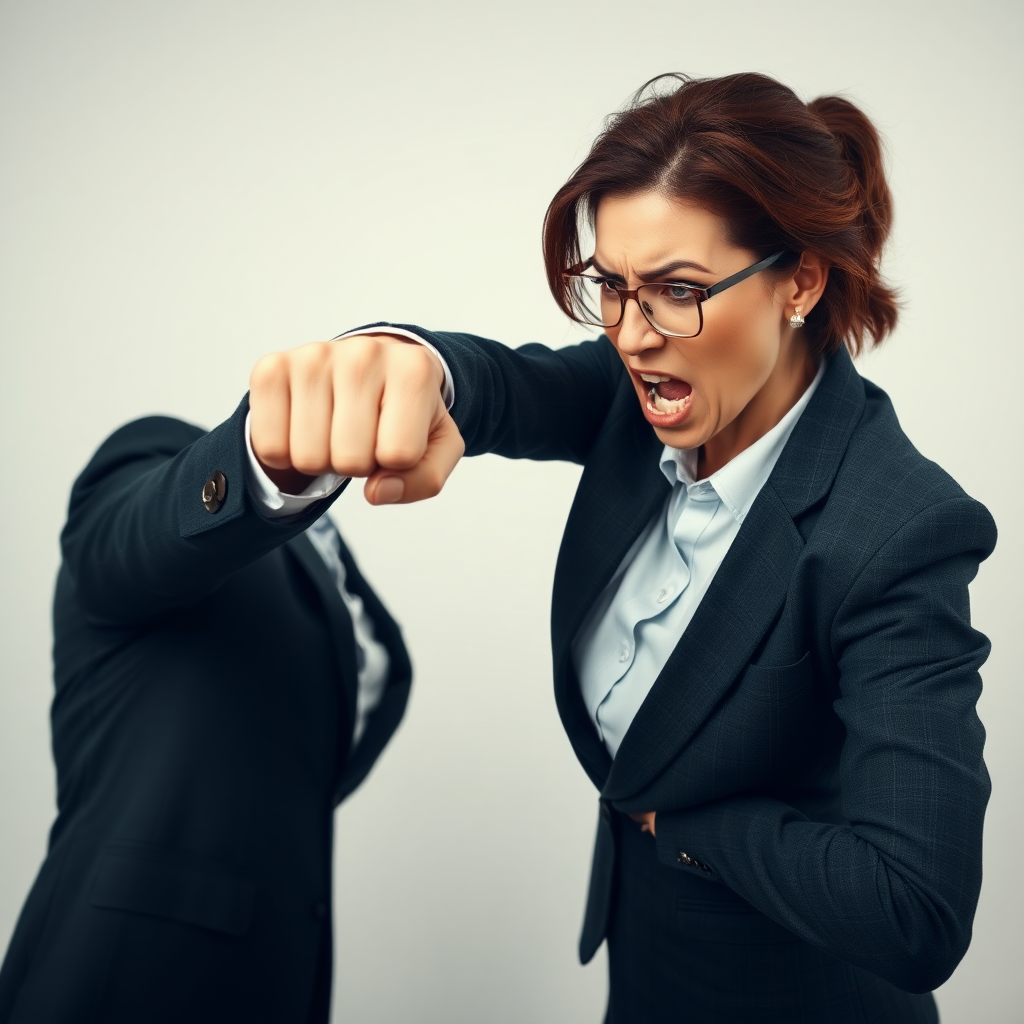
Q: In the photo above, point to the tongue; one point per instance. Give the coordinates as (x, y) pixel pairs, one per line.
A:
(673, 390)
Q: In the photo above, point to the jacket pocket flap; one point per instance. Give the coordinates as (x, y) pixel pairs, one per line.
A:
(179, 886)
(778, 684)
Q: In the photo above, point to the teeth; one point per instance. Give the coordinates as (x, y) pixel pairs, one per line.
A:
(662, 405)
(650, 378)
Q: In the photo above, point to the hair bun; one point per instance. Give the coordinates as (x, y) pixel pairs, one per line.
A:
(862, 150)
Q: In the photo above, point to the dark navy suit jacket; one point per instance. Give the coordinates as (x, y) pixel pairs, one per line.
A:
(205, 673)
(812, 742)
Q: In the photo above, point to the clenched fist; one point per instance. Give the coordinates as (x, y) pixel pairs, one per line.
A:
(366, 406)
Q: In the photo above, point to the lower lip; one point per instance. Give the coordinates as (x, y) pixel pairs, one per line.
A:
(665, 419)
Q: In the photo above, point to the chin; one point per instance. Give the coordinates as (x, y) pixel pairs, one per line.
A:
(679, 437)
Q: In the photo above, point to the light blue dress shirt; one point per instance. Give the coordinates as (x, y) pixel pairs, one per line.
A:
(640, 616)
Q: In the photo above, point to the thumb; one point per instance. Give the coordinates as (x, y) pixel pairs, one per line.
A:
(444, 449)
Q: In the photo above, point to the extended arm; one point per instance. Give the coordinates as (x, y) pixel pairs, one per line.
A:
(530, 402)
(164, 512)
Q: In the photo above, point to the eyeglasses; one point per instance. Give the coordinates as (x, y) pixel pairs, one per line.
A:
(671, 308)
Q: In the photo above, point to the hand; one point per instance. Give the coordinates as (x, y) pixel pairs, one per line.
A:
(366, 406)
(646, 821)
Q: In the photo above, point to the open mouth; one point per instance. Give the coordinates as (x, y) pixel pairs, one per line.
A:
(666, 395)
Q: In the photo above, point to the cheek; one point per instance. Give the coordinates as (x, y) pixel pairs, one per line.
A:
(735, 361)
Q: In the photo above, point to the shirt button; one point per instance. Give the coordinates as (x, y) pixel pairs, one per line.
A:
(662, 594)
(624, 656)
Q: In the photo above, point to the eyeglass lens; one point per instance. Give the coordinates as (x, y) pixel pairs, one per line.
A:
(669, 307)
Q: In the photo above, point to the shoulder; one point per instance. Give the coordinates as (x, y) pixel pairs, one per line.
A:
(148, 436)
(147, 440)
(156, 434)
(885, 488)
(886, 460)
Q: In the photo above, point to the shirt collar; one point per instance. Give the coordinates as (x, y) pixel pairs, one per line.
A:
(740, 480)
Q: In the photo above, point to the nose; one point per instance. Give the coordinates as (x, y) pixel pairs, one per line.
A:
(635, 333)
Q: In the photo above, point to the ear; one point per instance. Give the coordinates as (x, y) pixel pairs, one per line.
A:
(803, 290)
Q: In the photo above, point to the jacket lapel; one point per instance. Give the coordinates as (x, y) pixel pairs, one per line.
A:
(748, 590)
(617, 497)
(384, 718)
(339, 623)
(735, 613)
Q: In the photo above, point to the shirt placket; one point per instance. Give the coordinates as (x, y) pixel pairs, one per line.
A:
(690, 512)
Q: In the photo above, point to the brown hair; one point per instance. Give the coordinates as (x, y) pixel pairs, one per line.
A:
(782, 174)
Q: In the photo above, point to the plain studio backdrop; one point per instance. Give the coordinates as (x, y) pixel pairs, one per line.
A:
(185, 187)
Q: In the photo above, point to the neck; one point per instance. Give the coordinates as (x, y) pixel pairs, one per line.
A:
(789, 379)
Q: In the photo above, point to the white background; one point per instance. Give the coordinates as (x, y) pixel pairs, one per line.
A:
(186, 186)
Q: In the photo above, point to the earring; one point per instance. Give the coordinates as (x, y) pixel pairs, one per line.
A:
(796, 320)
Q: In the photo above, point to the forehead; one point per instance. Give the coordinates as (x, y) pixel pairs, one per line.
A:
(648, 229)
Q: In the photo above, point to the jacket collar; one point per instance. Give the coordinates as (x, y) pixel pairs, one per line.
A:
(811, 458)
(618, 495)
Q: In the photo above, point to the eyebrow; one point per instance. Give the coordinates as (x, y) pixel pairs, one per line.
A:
(657, 273)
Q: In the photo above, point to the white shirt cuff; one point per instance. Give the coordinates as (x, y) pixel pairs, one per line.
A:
(273, 502)
(447, 389)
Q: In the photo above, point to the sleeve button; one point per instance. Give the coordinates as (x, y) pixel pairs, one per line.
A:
(214, 491)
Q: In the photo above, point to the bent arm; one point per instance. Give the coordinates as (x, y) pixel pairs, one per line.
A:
(895, 890)
(531, 402)
(140, 541)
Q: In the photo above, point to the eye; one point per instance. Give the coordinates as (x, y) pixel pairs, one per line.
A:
(676, 293)
(604, 283)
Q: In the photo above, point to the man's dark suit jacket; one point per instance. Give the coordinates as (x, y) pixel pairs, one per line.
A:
(205, 672)
(812, 742)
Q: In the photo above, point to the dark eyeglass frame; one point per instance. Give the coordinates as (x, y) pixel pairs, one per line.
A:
(700, 294)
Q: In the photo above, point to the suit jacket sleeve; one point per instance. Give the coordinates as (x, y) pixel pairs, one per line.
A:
(895, 890)
(531, 402)
(139, 542)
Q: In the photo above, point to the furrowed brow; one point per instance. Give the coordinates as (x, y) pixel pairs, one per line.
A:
(605, 273)
(671, 268)
(657, 273)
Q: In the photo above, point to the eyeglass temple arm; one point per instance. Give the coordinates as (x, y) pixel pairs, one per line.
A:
(578, 268)
(744, 274)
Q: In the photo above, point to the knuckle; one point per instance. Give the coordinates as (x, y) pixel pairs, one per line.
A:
(357, 343)
(311, 360)
(318, 352)
(269, 371)
(417, 366)
(359, 356)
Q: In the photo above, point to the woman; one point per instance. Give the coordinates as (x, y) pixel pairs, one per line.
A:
(762, 647)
